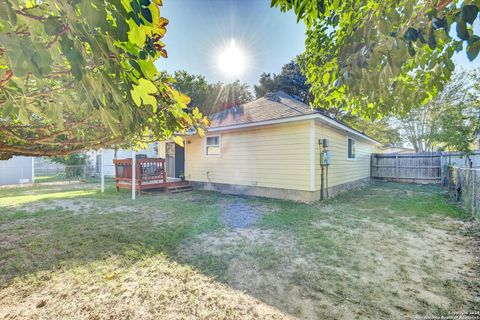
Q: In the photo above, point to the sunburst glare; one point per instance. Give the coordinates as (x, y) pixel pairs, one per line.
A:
(232, 60)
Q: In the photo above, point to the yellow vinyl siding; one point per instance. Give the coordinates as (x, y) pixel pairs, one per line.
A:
(343, 170)
(275, 156)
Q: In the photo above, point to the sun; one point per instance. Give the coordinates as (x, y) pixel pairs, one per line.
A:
(232, 60)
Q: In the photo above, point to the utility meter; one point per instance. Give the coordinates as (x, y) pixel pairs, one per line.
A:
(325, 158)
(324, 143)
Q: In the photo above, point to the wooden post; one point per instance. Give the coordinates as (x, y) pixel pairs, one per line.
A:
(134, 174)
(442, 180)
(371, 166)
(102, 172)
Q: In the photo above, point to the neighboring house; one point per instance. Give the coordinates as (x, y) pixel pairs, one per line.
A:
(94, 159)
(17, 170)
(270, 147)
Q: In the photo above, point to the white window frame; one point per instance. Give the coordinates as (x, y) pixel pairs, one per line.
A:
(219, 146)
(348, 150)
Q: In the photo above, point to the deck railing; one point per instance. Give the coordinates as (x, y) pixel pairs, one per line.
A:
(147, 169)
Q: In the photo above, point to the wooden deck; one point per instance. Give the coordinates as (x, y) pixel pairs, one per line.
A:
(149, 174)
(150, 184)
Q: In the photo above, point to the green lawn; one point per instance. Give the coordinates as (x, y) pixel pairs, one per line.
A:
(384, 251)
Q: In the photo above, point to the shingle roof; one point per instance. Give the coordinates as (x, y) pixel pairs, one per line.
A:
(273, 106)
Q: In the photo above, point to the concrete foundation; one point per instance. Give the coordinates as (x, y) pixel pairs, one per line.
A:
(338, 189)
(276, 193)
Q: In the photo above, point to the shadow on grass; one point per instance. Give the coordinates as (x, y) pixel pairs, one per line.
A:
(96, 226)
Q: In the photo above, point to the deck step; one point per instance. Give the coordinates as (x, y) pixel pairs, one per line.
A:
(180, 188)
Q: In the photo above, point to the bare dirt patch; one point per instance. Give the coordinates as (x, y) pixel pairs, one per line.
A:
(386, 272)
(152, 288)
(260, 263)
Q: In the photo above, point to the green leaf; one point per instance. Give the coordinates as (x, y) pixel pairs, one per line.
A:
(110, 119)
(196, 113)
(469, 13)
(473, 48)
(178, 140)
(52, 26)
(462, 29)
(147, 14)
(411, 50)
(7, 108)
(136, 35)
(411, 34)
(142, 93)
(432, 42)
(326, 78)
(383, 26)
(23, 113)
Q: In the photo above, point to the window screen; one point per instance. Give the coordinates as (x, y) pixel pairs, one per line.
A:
(212, 146)
(351, 148)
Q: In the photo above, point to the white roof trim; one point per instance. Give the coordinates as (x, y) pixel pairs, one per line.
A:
(336, 124)
(318, 116)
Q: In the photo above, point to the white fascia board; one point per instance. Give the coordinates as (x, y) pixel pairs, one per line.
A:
(317, 116)
(340, 126)
(264, 123)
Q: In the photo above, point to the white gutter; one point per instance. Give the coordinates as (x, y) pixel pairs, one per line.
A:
(334, 123)
(318, 116)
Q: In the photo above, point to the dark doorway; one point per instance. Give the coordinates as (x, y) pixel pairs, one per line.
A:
(175, 160)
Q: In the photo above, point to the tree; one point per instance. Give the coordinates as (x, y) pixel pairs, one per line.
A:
(291, 80)
(450, 121)
(194, 86)
(76, 75)
(381, 130)
(376, 57)
(223, 96)
(417, 126)
(267, 83)
(457, 112)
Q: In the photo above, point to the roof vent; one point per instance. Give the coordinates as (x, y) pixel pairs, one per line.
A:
(272, 96)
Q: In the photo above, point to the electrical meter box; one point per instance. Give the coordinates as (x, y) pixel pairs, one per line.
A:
(325, 158)
(324, 143)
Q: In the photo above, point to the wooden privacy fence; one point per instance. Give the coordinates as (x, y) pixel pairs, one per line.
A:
(420, 167)
(410, 167)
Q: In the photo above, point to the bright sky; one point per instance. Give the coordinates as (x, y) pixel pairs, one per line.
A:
(200, 31)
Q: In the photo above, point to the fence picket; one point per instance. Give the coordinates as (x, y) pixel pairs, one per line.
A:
(418, 167)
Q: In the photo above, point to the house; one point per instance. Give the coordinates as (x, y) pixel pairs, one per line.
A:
(272, 147)
(17, 170)
(94, 159)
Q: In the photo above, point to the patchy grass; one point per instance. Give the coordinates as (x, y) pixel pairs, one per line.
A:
(385, 251)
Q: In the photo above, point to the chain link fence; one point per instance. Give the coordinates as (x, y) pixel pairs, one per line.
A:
(60, 173)
(464, 185)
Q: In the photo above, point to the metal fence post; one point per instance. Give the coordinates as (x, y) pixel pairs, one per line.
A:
(474, 179)
(457, 184)
(134, 173)
(102, 173)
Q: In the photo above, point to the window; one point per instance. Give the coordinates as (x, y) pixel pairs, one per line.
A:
(212, 146)
(351, 148)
